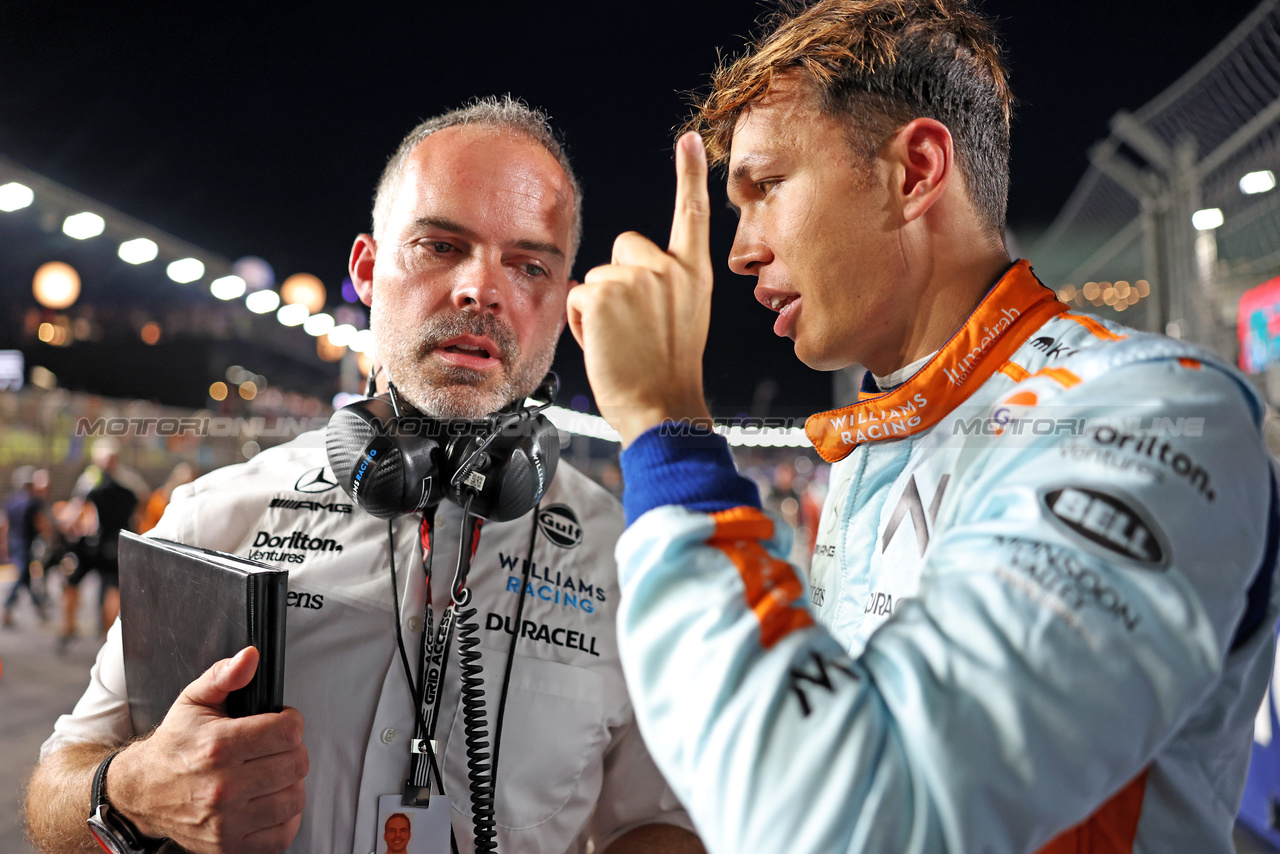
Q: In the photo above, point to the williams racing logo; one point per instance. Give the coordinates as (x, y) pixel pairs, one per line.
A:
(886, 423)
(1107, 523)
(551, 585)
(560, 525)
(289, 548)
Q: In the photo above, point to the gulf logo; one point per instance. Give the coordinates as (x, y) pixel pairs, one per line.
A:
(1012, 408)
(560, 525)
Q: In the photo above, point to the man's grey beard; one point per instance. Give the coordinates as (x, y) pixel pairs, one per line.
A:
(452, 391)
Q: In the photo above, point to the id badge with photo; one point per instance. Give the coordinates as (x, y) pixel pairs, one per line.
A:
(413, 830)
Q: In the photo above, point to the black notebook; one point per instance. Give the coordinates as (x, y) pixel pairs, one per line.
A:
(183, 608)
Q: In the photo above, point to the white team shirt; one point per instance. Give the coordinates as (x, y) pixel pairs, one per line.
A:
(572, 765)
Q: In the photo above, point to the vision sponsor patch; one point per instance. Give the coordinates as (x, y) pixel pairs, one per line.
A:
(1108, 523)
(560, 525)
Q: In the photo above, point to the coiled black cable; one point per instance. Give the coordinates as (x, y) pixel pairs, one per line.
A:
(475, 727)
(481, 766)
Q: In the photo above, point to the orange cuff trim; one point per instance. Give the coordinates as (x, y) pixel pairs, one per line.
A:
(1193, 364)
(772, 586)
(742, 523)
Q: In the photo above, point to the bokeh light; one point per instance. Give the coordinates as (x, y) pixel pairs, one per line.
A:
(304, 289)
(341, 335)
(185, 270)
(262, 302)
(292, 314)
(83, 225)
(318, 324)
(227, 287)
(256, 273)
(56, 285)
(15, 197)
(140, 250)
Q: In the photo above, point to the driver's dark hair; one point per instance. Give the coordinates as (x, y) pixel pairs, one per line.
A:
(878, 64)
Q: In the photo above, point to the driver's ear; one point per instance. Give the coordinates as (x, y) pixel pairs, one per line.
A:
(924, 156)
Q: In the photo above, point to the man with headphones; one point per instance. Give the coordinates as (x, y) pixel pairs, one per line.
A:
(476, 221)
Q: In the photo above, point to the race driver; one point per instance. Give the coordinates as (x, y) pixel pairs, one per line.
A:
(1040, 613)
(475, 226)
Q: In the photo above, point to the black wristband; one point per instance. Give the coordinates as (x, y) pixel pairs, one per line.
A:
(114, 832)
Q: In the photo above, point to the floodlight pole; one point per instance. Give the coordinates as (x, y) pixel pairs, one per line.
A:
(1179, 261)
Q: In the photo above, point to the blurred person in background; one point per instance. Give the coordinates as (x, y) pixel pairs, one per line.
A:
(108, 508)
(182, 473)
(28, 521)
(781, 495)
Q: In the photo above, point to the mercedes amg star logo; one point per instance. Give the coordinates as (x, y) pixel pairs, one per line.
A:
(314, 480)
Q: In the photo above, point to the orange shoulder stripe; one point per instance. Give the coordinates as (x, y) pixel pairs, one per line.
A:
(1061, 375)
(1014, 371)
(1094, 326)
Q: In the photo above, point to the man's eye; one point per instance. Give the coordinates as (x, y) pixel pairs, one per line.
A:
(441, 246)
(765, 186)
(533, 270)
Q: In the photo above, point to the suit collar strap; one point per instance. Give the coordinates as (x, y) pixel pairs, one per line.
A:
(1011, 311)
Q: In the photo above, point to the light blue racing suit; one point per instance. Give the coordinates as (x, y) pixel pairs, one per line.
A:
(1039, 616)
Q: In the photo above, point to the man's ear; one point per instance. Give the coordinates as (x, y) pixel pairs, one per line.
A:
(923, 154)
(361, 267)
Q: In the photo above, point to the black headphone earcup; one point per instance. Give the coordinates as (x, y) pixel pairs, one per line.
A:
(521, 463)
(386, 470)
(395, 464)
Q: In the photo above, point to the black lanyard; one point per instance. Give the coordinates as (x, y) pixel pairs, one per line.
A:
(433, 658)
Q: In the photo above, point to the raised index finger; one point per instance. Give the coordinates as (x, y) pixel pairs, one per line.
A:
(690, 227)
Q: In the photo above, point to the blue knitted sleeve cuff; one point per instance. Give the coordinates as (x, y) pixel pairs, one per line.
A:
(684, 465)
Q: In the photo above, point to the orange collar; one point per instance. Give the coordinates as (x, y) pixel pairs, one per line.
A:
(1011, 311)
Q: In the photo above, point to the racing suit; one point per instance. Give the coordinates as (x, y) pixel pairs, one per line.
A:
(1039, 614)
(573, 765)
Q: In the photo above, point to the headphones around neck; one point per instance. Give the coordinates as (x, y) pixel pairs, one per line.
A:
(393, 461)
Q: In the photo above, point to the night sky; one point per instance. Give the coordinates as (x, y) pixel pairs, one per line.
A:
(249, 130)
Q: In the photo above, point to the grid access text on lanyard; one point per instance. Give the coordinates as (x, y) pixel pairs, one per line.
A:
(433, 661)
